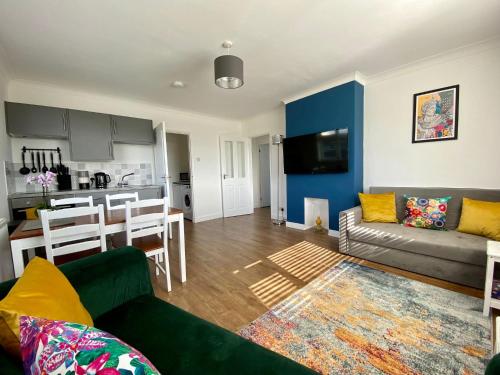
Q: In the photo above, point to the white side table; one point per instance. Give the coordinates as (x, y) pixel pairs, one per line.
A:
(493, 253)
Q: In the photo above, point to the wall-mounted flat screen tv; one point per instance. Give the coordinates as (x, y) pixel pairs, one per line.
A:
(325, 152)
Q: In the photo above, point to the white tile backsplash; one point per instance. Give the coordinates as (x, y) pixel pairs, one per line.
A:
(143, 174)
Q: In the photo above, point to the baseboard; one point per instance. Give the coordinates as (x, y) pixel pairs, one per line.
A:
(334, 233)
(290, 224)
(293, 225)
(199, 219)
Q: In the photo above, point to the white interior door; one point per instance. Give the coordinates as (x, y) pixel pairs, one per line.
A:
(264, 175)
(237, 198)
(161, 162)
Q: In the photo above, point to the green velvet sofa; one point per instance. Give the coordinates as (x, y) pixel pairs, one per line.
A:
(116, 289)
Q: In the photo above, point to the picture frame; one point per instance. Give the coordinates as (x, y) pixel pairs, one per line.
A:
(435, 115)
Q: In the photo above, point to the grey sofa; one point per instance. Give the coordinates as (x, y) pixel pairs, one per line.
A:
(448, 255)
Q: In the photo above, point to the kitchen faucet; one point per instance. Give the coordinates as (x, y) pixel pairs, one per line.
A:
(123, 183)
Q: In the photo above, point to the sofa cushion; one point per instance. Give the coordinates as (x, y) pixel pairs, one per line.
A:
(177, 342)
(454, 205)
(59, 347)
(452, 245)
(426, 213)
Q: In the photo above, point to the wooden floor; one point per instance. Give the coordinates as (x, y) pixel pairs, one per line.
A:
(238, 268)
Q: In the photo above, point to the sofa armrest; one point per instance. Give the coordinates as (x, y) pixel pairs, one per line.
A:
(110, 279)
(348, 219)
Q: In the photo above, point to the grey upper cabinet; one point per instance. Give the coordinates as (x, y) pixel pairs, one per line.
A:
(132, 130)
(28, 120)
(90, 136)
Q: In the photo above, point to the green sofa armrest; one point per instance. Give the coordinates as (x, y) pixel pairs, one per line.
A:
(110, 279)
(493, 367)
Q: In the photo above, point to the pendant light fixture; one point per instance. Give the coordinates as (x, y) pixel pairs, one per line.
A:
(228, 69)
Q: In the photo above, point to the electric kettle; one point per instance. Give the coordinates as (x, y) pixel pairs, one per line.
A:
(102, 180)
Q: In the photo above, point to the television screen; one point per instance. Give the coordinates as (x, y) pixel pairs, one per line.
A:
(325, 152)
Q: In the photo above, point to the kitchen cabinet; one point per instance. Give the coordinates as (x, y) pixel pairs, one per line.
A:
(36, 121)
(90, 136)
(132, 130)
(150, 193)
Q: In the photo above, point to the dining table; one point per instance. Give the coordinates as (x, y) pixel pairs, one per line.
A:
(27, 236)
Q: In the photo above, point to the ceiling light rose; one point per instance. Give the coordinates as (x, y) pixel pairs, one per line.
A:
(178, 84)
(228, 69)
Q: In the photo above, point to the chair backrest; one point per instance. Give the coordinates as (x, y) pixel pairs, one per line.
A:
(147, 222)
(89, 201)
(70, 235)
(118, 197)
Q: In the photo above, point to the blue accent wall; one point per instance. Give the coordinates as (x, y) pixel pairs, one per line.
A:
(335, 108)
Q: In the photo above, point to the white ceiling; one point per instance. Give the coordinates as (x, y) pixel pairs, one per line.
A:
(135, 49)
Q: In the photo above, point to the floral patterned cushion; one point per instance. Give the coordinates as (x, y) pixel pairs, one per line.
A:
(59, 347)
(428, 213)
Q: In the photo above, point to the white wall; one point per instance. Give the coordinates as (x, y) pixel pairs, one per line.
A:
(264, 139)
(203, 130)
(272, 122)
(471, 161)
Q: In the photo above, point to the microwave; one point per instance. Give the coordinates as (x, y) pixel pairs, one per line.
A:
(184, 176)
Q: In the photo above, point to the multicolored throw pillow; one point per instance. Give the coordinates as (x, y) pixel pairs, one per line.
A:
(59, 347)
(427, 213)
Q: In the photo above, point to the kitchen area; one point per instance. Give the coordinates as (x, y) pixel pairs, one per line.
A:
(60, 153)
(91, 154)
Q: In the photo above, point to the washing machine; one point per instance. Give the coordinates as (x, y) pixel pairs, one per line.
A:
(187, 207)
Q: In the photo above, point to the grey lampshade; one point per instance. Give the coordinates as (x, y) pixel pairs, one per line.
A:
(228, 71)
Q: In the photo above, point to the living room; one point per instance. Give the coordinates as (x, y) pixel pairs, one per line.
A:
(377, 252)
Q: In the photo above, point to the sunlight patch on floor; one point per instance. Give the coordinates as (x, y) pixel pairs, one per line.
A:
(272, 289)
(252, 264)
(305, 260)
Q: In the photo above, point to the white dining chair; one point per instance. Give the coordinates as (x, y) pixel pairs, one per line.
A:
(148, 232)
(89, 201)
(118, 197)
(64, 235)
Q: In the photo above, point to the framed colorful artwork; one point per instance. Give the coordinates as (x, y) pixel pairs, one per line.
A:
(435, 115)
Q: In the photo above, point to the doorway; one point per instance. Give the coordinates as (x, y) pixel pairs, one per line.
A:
(261, 166)
(236, 181)
(179, 172)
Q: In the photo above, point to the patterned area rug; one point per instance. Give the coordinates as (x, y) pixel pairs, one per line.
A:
(357, 320)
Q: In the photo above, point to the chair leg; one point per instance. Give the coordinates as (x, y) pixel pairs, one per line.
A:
(167, 269)
(156, 265)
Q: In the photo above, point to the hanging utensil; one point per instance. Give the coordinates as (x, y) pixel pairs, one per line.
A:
(38, 161)
(33, 170)
(60, 166)
(52, 168)
(24, 170)
(44, 168)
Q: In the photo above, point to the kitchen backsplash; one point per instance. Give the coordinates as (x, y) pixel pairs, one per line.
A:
(143, 175)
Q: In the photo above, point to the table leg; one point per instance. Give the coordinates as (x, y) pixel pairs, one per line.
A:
(17, 258)
(182, 250)
(490, 268)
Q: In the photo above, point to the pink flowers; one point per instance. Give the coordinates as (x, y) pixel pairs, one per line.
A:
(44, 179)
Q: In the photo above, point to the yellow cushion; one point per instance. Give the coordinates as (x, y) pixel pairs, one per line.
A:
(379, 208)
(31, 213)
(42, 291)
(481, 218)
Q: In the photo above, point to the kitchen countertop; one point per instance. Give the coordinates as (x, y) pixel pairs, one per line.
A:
(80, 191)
